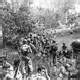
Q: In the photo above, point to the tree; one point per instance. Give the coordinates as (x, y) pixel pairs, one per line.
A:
(16, 24)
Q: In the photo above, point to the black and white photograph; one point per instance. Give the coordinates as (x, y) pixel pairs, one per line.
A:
(39, 39)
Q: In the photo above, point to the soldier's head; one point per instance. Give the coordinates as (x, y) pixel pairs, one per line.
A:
(16, 62)
(43, 71)
(28, 41)
(30, 35)
(39, 70)
(53, 41)
(64, 44)
(24, 41)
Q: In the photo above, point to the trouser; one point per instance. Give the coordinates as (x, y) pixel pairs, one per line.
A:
(54, 59)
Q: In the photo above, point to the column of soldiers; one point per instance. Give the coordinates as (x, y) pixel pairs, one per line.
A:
(39, 45)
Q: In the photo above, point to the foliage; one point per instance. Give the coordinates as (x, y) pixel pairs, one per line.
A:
(22, 22)
(16, 24)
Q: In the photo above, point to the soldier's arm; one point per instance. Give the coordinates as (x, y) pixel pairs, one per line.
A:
(47, 76)
(30, 64)
(29, 49)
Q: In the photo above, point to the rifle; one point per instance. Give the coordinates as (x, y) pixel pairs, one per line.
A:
(17, 68)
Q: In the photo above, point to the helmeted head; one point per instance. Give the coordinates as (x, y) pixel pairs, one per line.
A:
(24, 49)
(53, 41)
(64, 44)
(16, 62)
(28, 41)
(24, 41)
(38, 69)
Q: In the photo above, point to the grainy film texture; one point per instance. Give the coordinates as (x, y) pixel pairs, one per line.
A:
(39, 39)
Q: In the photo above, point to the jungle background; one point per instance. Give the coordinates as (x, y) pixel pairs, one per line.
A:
(18, 22)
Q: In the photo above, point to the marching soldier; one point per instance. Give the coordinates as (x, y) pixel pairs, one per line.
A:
(9, 69)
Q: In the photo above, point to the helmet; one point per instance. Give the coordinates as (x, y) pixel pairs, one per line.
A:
(28, 40)
(24, 47)
(24, 41)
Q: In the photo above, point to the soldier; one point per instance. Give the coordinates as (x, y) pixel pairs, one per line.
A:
(64, 49)
(25, 48)
(27, 67)
(53, 51)
(45, 73)
(61, 72)
(17, 64)
(42, 74)
(9, 69)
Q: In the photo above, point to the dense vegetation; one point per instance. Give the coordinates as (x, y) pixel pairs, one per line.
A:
(16, 24)
(20, 23)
